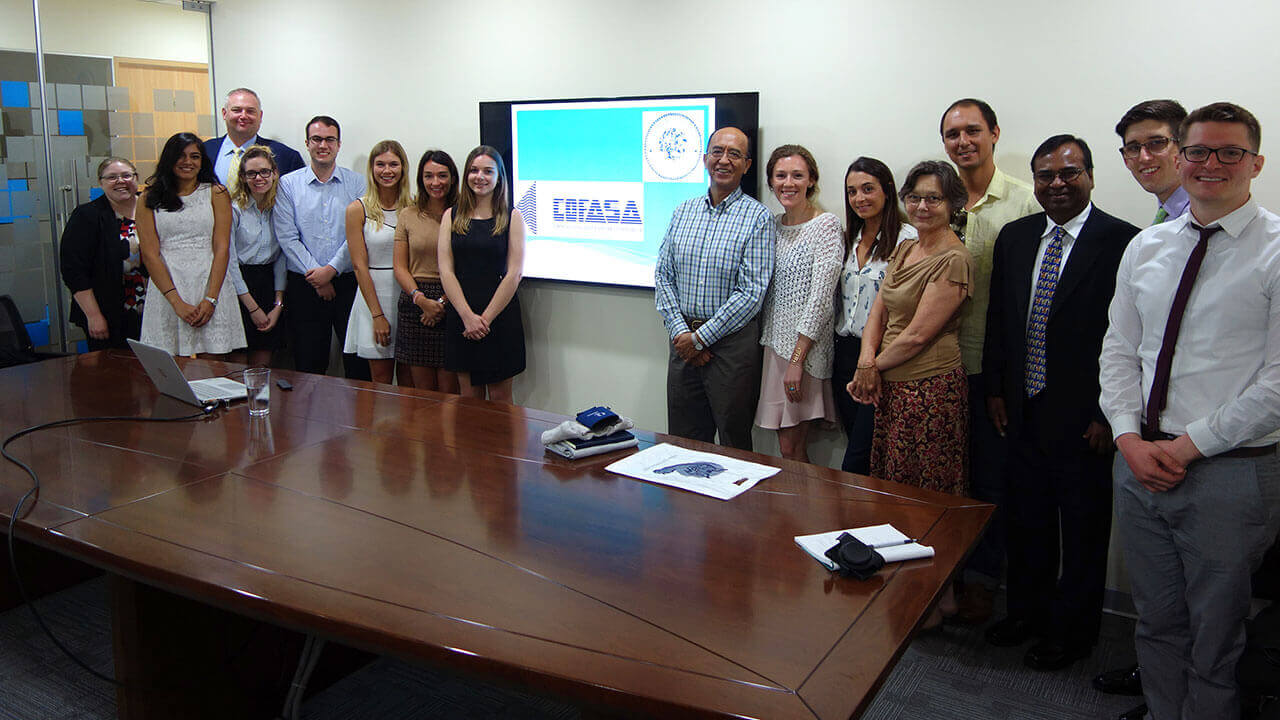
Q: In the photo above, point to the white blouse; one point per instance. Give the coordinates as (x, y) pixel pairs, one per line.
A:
(859, 286)
(799, 299)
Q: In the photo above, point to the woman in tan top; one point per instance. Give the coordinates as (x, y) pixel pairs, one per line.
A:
(420, 326)
(910, 360)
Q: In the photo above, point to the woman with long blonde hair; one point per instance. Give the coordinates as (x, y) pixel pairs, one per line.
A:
(481, 256)
(371, 227)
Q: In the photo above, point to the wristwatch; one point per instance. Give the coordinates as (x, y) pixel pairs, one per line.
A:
(697, 343)
(212, 301)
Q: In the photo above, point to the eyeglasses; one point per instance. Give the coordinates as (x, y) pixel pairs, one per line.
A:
(127, 177)
(718, 152)
(255, 174)
(326, 140)
(932, 201)
(1229, 155)
(1154, 146)
(1044, 177)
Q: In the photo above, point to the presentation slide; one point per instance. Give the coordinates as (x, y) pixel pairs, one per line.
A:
(597, 181)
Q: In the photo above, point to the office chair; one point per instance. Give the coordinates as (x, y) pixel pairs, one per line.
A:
(15, 343)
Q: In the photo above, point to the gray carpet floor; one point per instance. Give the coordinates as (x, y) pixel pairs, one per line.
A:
(948, 675)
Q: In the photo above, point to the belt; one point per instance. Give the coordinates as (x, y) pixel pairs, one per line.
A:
(693, 323)
(1240, 452)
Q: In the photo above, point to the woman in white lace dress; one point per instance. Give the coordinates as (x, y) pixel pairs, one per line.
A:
(184, 232)
(371, 228)
(796, 327)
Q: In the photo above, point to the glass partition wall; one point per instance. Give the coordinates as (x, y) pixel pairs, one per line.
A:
(119, 77)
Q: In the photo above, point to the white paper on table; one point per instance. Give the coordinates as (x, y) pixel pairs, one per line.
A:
(720, 477)
(887, 540)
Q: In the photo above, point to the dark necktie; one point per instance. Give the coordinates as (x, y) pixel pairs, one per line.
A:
(1038, 324)
(1164, 361)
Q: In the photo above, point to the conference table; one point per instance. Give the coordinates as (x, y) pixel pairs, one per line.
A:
(437, 529)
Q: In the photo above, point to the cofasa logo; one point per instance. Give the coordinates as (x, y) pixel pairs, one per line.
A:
(595, 210)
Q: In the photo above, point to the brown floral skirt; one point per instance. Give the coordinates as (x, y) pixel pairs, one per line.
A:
(921, 434)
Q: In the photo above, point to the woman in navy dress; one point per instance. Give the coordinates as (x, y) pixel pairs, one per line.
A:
(481, 254)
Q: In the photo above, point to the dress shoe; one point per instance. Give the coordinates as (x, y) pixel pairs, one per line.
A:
(974, 605)
(1121, 681)
(1052, 655)
(1011, 632)
(1138, 713)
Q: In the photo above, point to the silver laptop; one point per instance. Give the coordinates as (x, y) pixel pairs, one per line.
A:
(164, 372)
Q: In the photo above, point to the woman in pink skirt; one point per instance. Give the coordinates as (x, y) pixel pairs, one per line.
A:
(796, 327)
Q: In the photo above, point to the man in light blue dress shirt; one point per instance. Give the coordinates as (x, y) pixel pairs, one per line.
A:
(310, 222)
(713, 269)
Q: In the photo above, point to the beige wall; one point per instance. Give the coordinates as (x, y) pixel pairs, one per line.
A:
(844, 78)
(108, 28)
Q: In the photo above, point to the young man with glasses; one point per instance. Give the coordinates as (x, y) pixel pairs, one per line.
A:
(242, 113)
(310, 223)
(1150, 149)
(969, 133)
(713, 269)
(1053, 275)
(1149, 133)
(1190, 378)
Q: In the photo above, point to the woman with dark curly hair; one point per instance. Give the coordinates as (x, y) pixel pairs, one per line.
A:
(184, 235)
(910, 360)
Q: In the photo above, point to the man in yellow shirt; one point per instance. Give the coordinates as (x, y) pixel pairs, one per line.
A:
(969, 134)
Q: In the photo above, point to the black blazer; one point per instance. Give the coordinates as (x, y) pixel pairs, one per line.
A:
(93, 257)
(1076, 325)
(287, 159)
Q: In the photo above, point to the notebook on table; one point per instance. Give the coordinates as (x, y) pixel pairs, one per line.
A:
(168, 378)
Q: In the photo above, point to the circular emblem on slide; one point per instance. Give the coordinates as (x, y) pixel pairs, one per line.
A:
(673, 146)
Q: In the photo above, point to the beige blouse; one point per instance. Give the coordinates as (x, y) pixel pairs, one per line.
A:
(903, 286)
(422, 232)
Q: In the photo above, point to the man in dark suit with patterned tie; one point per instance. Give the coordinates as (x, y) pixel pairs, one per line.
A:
(1052, 280)
(242, 112)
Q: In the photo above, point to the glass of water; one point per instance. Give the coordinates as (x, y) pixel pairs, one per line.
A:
(257, 384)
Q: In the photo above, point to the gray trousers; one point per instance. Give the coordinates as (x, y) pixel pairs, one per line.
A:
(1190, 552)
(719, 396)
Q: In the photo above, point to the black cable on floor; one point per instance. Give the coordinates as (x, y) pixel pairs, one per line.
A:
(34, 490)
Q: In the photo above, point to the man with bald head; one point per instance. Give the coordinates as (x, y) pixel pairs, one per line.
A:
(242, 112)
(713, 270)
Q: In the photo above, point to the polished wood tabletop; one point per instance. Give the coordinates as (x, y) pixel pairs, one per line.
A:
(436, 528)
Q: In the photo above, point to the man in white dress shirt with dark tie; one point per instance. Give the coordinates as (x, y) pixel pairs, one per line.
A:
(1190, 377)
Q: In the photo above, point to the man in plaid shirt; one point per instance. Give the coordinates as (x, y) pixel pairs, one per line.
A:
(713, 271)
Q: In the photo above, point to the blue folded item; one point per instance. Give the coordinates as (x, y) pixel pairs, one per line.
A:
(597, 417)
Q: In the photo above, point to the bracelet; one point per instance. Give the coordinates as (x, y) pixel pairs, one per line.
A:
(796, 359)
(868, 366)
(279, 303)
(442, 300)
(166, 292)
(255, 310)
(212, 301)
(413, 296)
(375, 317)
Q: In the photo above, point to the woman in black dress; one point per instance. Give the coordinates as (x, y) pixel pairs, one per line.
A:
(481, 253)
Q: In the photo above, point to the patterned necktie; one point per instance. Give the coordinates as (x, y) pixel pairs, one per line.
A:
(1164, 361)
(1034, 379)
(1161, 216)
(233, 170)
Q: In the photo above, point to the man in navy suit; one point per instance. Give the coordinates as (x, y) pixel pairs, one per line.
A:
(1052, 280)
(242, 113)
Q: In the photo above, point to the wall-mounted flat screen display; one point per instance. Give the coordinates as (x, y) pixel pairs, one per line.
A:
(597, 180)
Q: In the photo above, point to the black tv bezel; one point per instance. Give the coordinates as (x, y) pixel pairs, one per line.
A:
(736, 109)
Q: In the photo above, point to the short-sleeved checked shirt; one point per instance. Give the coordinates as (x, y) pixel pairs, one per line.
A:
(715, 264)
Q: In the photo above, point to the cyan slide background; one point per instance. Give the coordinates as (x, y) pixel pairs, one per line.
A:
(602, 145)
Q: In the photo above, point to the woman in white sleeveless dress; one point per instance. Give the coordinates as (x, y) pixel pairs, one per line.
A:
(371, 227)
(184, 231)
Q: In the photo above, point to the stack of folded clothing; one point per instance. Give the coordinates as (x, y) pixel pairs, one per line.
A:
(593, 432)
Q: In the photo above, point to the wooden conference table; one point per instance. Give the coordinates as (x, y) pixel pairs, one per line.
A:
(435, 528)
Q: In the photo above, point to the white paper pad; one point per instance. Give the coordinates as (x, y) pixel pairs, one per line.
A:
(886, 539)
(706, 473)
